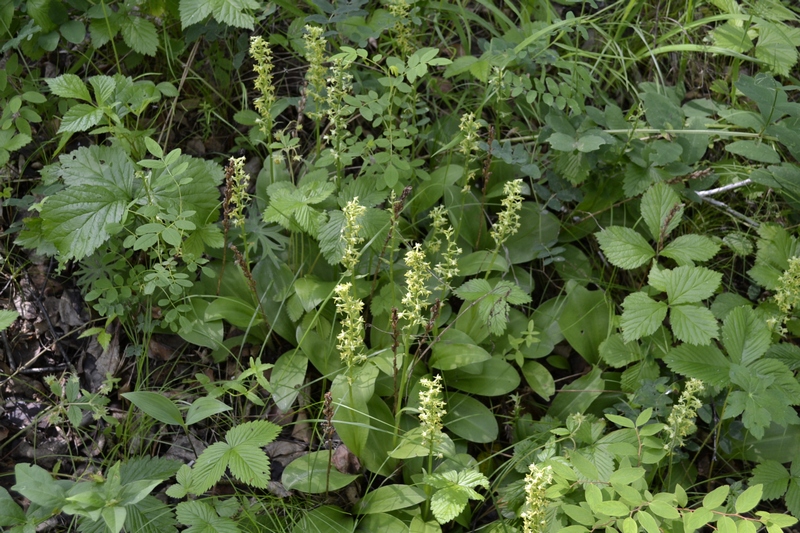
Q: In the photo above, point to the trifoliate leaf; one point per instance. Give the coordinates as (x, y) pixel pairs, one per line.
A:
(256, 433)
(209, 468)
(249, 464)
(690, 284)
(689, 248)
(661, 209)
(202, 518)
(140, 35)
(773, 476)
(693, 324)
(624, 247)
(745, 335)
(641, 316)
(706, 363)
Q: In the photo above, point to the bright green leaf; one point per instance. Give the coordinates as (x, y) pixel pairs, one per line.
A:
(624, 247)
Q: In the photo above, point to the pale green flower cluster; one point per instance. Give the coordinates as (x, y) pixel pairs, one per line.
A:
(351, 338)
(350, 234)
(470, 129)
(431, 409)
(238, 183)
(787, 295)
(400, 9)
(340, 83)
(415, 301)
(448, 268)
(680, 422)
(316, 54)
(536, 482)
(261, 53)
(508, 221)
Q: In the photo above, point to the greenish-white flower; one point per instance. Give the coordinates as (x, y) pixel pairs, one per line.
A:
(351, 337)
(680, 422)
(536, 482)
(261, 53)
(353, 211)
(508, 221)
(239, 198)
(415, 302)
(431, 409)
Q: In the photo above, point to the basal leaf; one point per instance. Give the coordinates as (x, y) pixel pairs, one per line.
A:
(156, 405)
(641, 316)
(389, 498)
(661, 209)
(140, 34)
(690, 284)
(689, 248)
(624, 247)
(38, 486)
(661, 112)
(693, 324)
(706, 363)
(745, 335)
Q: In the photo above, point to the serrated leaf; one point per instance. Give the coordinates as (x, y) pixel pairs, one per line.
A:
(693, 324)
(748, 499)
(661, 209)
(617, 353)
(775, 48)
(745, 335)
(249, 464)
(80, 117)
(448, 503)
(231, 12)
(773, 477)
(689, 248)
(473, 289)
(641, 316)
(104, 87)
(194, 11)
(624, 247)
(37, 485)
(690, 284)
(150, 516)
(69, 86)
(7, 318)
(141, 468)
(209, 468)
(140, 35)
(706, 363)
(732, 37)
(256, 433)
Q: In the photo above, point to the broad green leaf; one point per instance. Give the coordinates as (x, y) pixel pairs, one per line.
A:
(389, 498)
(202, 518)
(80, 117)
(641, 316)
(73, 31)
(716, 497)
(579, 514)
(626, 476)
(194, 11)
(249, 464)
(156, 405)
(664, 510)
(37, 485)
(7, 318)
(687, 284)
(11, 514)
(584, 321)
(706, 363)
(450, 356)
(661, 210)
(324, 519)
(576, 397)
(383, 522)
(231, 12)
(755, 151)
(493, 377)
(140, 34)
(539, 379)
(481, 261)
(647, 521)
(624, 247)
(448, 503)
(470, 419)
(773, 477)
(310, 473)
(617, 353)
(748, 499)
(69, 86)
(541, 233)
(745, 335)
(204, 407)
(775, 47)
(287, 378)
(693, 324)
(725, 524)
(689, 248)
(697, 519)
(114, 518)
(732, 37)
(612, 508)
(661, 112)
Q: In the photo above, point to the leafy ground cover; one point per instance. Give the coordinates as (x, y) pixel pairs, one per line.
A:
(400, 266)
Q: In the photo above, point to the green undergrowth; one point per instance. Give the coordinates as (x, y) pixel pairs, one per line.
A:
(507, 266)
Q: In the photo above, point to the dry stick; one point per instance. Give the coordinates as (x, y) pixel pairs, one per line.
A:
(724, 188)
(749, 221)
